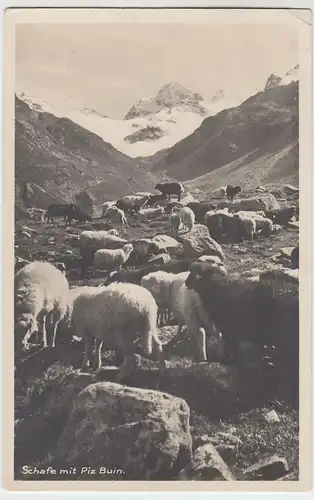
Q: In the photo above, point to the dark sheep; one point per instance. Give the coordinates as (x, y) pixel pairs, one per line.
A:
(200, 209)
(232, 191)
(295, 258)
(135, 275)
(64, 210)
(155, 198)
(281, 216)
(169, 188)
(78, 214)
(264, 313)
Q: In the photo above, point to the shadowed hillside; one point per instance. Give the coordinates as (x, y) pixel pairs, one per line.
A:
(259, 135)
(58, 158)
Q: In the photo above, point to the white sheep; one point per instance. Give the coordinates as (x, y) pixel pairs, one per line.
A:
(247, 225)
(158, 283)
(150, 213)
(117, 317)
(144, 247)
(109, 259)
(187, 308)
(41, 294)
(187, 217)
(99, 239)
(106, 205)
(174, 221)
(251, 213)
(115, 214)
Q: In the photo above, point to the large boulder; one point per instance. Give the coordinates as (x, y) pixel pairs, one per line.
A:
(265, 201)
(143, 433)
(198, 242)
(165, 242)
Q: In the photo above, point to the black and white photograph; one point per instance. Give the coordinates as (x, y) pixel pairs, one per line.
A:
(156, 246)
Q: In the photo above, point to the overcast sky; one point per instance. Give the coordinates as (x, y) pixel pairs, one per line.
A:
(109, 67)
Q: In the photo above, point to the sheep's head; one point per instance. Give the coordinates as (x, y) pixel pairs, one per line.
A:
(201, 273)
(113, 232)
(128, 249)
(237, 189)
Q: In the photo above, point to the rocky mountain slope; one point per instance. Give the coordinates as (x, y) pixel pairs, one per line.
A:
(252, 143)
(56, 158)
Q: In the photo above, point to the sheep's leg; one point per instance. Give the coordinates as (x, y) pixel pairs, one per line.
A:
(129, 363)
(42, 329)
(177, 337)
(97, 358)
(88, 340)
(158, 352)
(56, 320)
(201, 345)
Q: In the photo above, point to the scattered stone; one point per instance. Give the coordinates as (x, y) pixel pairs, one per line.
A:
(162, 258)
(286, 251)
(267, 469)
(239, 249)
(69, 252)
(205, 439)
(207, 465)
(198, 242)
(165, 242)
(277, 228)
(26, 234)
(51, 240)
(294, 225)
(230, 437)
(290, 189)
(272, 417)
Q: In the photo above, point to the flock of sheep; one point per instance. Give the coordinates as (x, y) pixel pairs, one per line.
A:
(198, 293)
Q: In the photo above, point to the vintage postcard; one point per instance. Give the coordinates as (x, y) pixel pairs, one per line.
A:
(157, 241)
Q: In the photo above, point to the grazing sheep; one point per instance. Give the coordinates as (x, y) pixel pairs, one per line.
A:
(132, 202)
(91, 241)
(232, 191)
(172, 206)
(108, 259)
(41, 293)
(144, 247)
(64, 210)
(250, 213)
(246, 226)
(187, 217)
(117, 316)
(158, 284)
(282, 216)
(150, 213)
(200, 209)
(223, 191)
(175, 221)
(155, 198)
(169, 188)
(106, 205)
(135, 275)
(97, 239)
(264, 225)
(187, 308)
(115, 214)
(295, 258)
(266, 313)
(290, 275)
